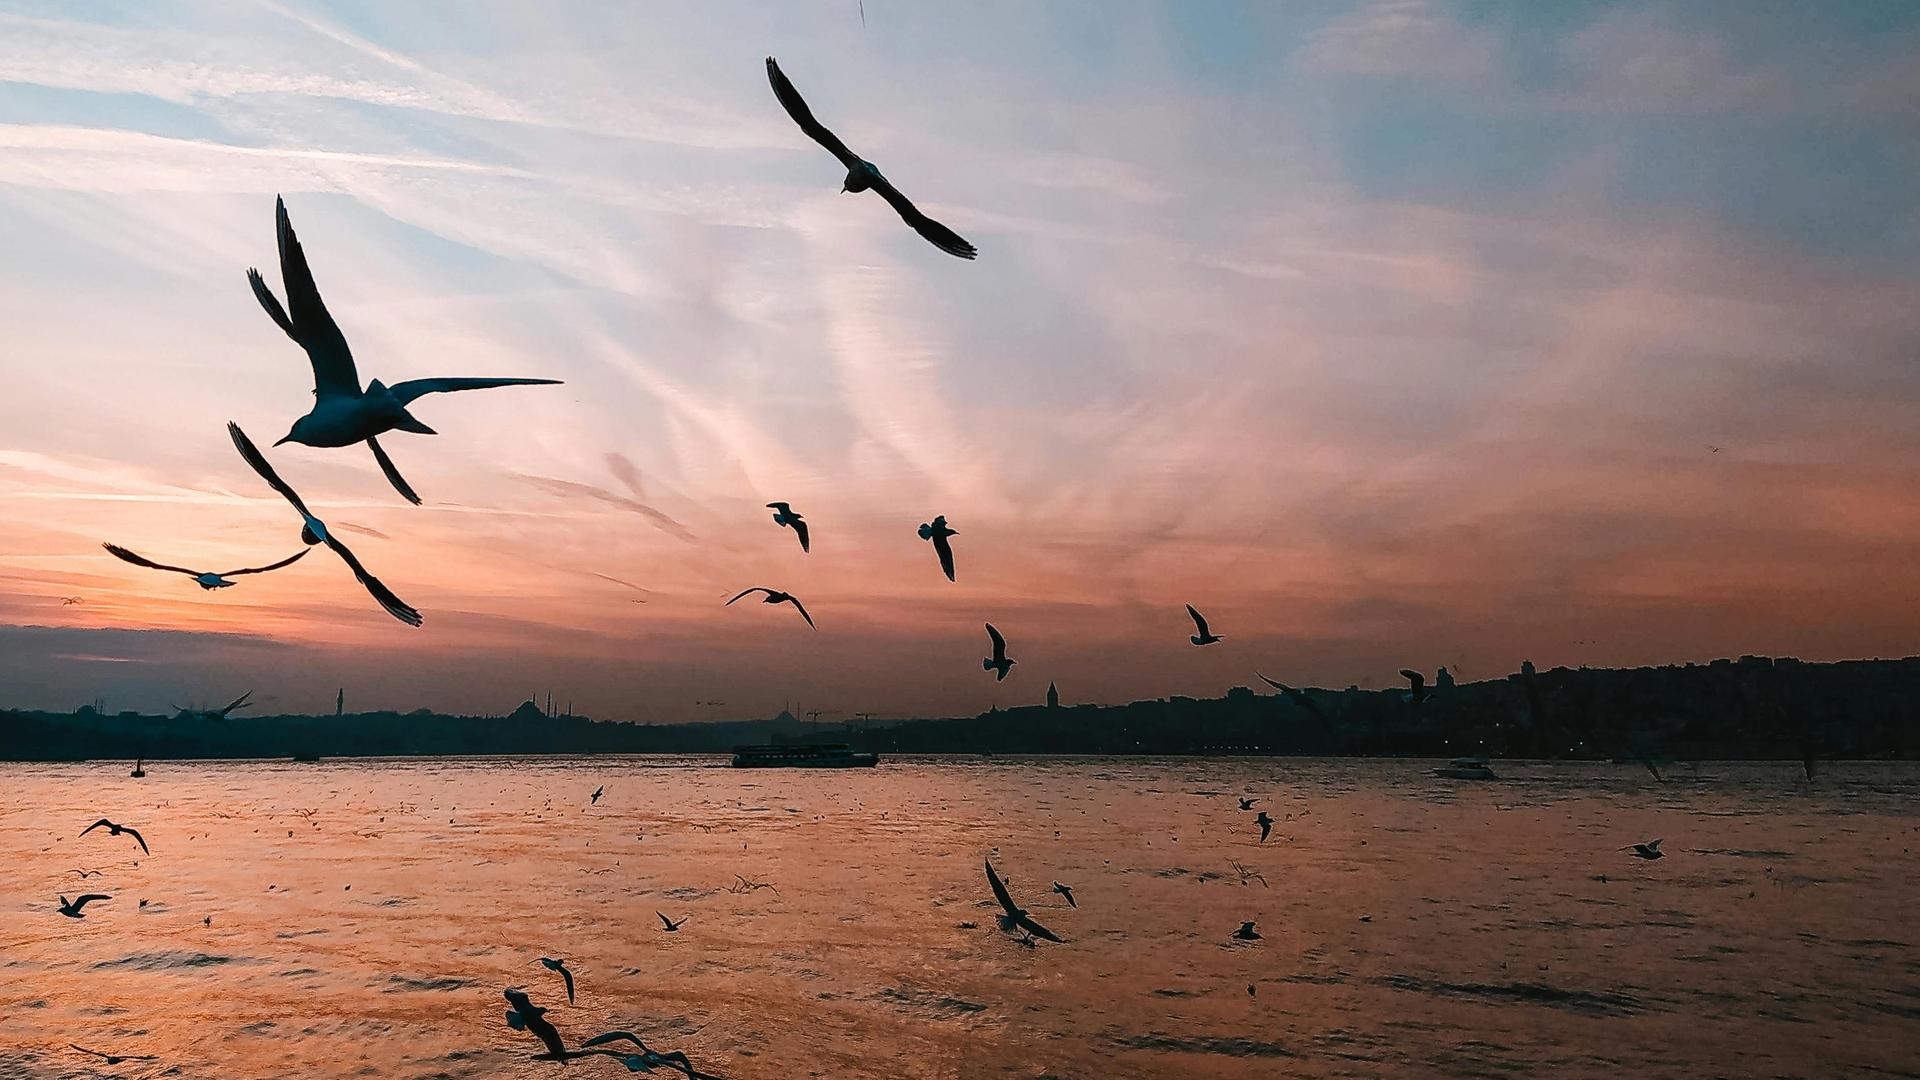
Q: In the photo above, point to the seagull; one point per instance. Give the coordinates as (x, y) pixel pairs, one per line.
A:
(206, 579)
(526, 1016)
(1015, 918)
(1247, 932)
(85, 874)
(1649, 850)
(70, 601)
(998, 662)
(560, 966)
(1066, 891)
(139, 769)
(343, 413)
(647, 1058)
(784, 515)
(937, 531)
(116, 830)
(670, 924)
(1247, 804)
(71, 909)
(1419, 692)
(775, 596)
(1266, 825)
(597, 792)
(114, 1059)
(1204, 637)
(314, 531)
(861, 174)
(240, 702)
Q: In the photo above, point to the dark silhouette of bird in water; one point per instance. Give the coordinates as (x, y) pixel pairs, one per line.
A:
(1247, 932)
(1202, 636)
(937, 531)
(206, 579)
(1247, 804)
(775, 596)
(1266, 825)
(560, 966)
(314, 531)
(784, 515)
(1066, 891)
(670, 925)
(861, 174)
(114, 1059)
(139, 769)
(1015, 917)
(343, 413)
(71, 908)
(526, 1016)
(597, 792)
(116, 830)
(998, 662)
(1649, 850)
(1419, 691)
(648, 1058)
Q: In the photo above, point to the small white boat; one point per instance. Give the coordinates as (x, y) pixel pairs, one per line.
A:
(1467, 768)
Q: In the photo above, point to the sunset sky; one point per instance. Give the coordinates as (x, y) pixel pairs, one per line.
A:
(1390, 334)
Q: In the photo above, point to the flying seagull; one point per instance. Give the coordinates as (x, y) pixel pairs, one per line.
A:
(861, 174)
(670, 924)
(775, 596)
(116, 830)
(784, 515)
(1649, 850)
(71, 909)
(560, 966)
(240, 702)
(1204, 636)
(526, 1016)
(1266, 825)
(937, 531)
(1015, 918)
(1247, 932)
(647, 1058)
(1419, 692)
(114, 1059)
(597, 792)
(998, 662)
(1066, 891)
(1247, 804)
(1293, 694)
(206, 579)
(314, 531)
(343, 413)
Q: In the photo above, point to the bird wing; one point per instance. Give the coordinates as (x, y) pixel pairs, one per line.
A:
(999, 643)
(795, 601)
(393, 475)
(935, 233)
(945, 551)
(395, 606)
(83, 901)
(413, 388)
(1034, 928)
(84, 1050)
(1000, 892)
(103, 823)
(310, 325)
(1418, 680)
(801, 528)
(664, 920)
(242, 699)
(615, 1036)
(567, 976)
(261, 465)
(743, 592)
(1282, 687)
(1198, 622)
(289, 561)
(124, 555)
(141, 840)
(796, 107)
(1653, 845)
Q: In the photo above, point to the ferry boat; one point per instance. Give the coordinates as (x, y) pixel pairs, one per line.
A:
(1467, 768)
(802, 756)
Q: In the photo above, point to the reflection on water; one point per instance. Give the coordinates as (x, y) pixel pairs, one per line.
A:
(366, 915)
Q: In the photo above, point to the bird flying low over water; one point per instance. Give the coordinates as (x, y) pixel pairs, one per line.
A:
(71, 908)
(1066, 891)
(241, 702)
(647, 1058)
(1266, 825)
(206, 579)
(998, 662)
(775, 596)
(116, 830)
(784, 515)
(1015, 917)
(1649, 850)
(937, 531)
(1419, 692)
(560, 966)
(597, 792)
(1203, 636)
(670, 925)
(1247, 804)
(314, 531)
(1247, 932)
(862, 175)
(343, 413)
(114, 1059)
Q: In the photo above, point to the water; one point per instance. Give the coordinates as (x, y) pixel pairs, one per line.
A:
(366, 915)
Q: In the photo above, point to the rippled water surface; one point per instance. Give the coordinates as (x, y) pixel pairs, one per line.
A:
(366, 915)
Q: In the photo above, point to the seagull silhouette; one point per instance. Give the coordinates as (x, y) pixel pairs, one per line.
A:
(240, 702)
(1066, 891)
(775, 596)
(1015, 917)
(1419, 692)
(1649, 850)
(1247, 804)
(784, 515)
(206, 579)
(670, 925)
(314, 531)
(937, 531)
(560, 966)
(114, 1059)
(343, 413)
(1293, 694)
(1266, 825)
(71, 909)
(861, 174)
(116, 830)
(647, 1058)
(597, 792)
(1204, 636)
(1247, 932)
(998, 662)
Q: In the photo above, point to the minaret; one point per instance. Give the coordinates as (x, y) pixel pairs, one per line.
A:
(1053, 696)
(340, 702)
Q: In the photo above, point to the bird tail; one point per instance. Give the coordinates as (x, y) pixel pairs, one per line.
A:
(409, 422)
